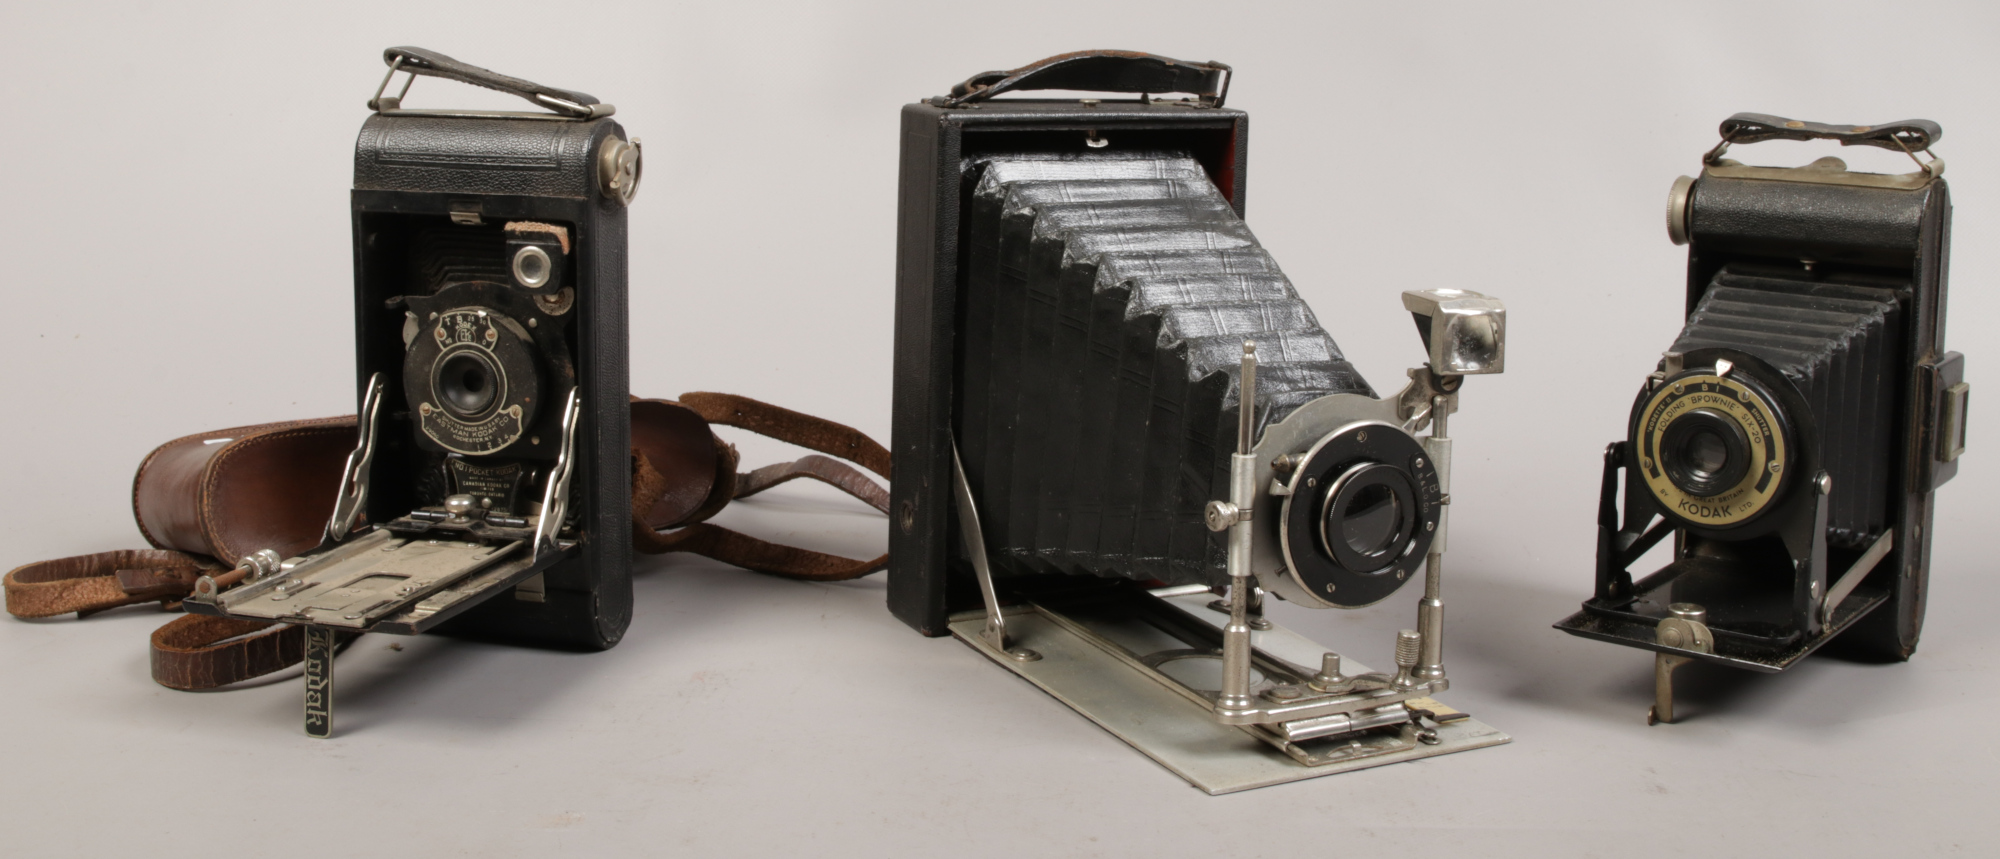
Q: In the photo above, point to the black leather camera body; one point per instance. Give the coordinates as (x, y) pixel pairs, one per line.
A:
(490, 491)
(1111, 406)
(1793, 437)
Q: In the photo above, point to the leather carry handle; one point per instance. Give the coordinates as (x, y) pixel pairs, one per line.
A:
(429, 63)
(1909, 135)
(1102, 71)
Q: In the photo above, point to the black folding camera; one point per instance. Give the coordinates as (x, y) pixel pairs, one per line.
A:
(490, 492)
(1792, 437)
(1111, 404)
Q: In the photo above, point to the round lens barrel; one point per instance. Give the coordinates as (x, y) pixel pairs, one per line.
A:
(467, 384)
(1705, 453)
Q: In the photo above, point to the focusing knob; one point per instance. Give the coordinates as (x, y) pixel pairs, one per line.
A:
(618, 168)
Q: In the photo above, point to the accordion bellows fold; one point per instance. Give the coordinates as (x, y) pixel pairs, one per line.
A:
(1838, 342)
(1106, 303)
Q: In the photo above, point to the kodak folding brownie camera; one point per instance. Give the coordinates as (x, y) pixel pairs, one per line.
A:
(1792, 440)
(1111, 405)
(489, 492)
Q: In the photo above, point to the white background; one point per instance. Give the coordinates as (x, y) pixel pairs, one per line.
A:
(173, 213)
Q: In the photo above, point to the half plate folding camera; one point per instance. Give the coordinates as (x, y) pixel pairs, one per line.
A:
(490, 492)
(1792, 438)
(1111, 405)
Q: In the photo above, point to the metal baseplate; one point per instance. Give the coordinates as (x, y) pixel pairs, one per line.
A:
(1130, 667)
(378, 582)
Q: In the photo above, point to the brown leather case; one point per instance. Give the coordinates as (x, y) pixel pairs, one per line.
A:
(206, 500)
(228, 493)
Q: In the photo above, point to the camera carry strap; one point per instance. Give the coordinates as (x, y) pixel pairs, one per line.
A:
(206, 500)
(663, 475)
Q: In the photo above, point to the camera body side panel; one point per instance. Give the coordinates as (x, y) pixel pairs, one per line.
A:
(924, 587)
(422, 171)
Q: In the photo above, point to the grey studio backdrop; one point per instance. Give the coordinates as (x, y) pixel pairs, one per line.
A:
(175, 189)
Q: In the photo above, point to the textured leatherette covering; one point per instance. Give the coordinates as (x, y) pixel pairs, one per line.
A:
(1825, 223)
(531, 157)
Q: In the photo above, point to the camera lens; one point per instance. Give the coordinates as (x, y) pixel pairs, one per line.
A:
(467, 384)
(1370, 520)
(1705, 453)
(1368, 516)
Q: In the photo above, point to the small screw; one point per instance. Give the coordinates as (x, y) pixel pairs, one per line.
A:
(1283, 692)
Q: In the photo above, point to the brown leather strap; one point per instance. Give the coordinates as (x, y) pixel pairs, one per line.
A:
(793, 427)
(827, 470)
(650, 483)
(750, 553)
(87, 584)
(193, 652)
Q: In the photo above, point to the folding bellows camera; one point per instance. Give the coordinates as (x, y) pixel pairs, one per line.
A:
(1792, 438)
(490, 489)
(1111, 405)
